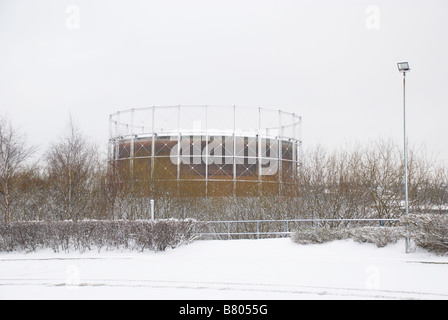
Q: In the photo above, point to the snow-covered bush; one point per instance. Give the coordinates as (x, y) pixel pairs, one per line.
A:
(380, 236)
(88, 235)
(429, 231)
(319, 235)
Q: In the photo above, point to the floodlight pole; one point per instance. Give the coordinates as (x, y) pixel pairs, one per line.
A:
(405, 160)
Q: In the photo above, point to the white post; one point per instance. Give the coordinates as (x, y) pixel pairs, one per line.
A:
(258, 230)
(152, 209)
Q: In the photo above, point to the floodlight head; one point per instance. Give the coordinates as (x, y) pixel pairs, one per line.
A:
(403, 67)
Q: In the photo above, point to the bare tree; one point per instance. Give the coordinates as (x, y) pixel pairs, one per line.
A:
(439, 190)
(14, 153)
(34, 201)
(71, 164)
(332, 184)
(383, 177)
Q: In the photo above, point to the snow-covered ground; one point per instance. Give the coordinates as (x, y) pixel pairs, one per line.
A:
(237, 269)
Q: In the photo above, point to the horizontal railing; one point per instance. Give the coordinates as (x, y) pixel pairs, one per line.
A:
(257, 229)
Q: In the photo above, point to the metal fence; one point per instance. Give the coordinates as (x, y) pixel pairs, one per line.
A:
(257, 229)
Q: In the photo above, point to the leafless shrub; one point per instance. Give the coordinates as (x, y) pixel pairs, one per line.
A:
(380, 236)
(88, 235)
(429, 231)
(319, 235)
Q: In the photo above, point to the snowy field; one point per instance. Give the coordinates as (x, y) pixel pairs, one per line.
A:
(237, 269)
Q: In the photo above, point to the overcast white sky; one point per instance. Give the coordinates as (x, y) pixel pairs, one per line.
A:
(331, 61)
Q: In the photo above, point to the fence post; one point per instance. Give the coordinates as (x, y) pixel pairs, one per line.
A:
(152, 209)
(258, 231)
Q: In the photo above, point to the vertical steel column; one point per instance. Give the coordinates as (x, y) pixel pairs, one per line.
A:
(111, 143)
(117, 140)
(294, 136)
(153, 148)
(179, 137)
(300, 143)
(111, 148)
(279, 141)
(294, 151)
(234, 150)
(117, 123)
(206, 151)
(117, 143)
(110, 126)
(131, 164)
(259, 152)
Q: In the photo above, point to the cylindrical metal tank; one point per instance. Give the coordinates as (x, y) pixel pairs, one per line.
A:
(206, 150)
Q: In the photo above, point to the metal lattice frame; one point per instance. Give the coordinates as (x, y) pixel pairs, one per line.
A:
(211, 143)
